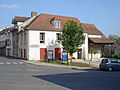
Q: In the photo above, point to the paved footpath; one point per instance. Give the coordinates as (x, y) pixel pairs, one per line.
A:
(57, 65)
(43, 76)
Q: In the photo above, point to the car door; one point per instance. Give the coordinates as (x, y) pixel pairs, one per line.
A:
(114, 64)
(103, 64)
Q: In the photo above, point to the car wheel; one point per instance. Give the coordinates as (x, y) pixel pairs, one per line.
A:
(110, 69)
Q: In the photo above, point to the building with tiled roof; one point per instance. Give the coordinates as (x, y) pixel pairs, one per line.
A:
(5, 41)
(34, 36)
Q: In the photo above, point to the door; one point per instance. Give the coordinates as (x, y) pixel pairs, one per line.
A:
(58, 53)
(43, 53)
(21, 53)
(24, 53)
(79, 53)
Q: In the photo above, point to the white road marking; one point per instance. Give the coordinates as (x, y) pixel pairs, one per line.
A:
(11, 62)
(14, 63)
(20, 62)
(1, 63)
(8, 63)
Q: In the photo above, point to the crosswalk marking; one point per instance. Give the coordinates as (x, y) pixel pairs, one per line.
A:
(14, 63)
(8, 63)
(20, 62)
(1, 63)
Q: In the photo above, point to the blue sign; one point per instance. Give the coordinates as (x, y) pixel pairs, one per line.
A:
(50, 54)
(64, 56)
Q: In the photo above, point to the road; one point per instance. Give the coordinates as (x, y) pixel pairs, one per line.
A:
(18, 75)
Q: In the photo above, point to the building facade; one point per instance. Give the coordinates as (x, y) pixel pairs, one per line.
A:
(33, 36)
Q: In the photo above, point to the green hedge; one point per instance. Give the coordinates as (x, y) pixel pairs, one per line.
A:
(116, 56)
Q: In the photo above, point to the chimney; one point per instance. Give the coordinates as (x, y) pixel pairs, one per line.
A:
(33, 14)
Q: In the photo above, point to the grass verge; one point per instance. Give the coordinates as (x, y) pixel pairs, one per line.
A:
(60, 62)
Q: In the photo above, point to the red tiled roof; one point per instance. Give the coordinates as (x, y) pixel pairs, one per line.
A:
(9, 29)
(101, 41)
(6, 30)
(90, 29)
(20, 19)
(42, 22)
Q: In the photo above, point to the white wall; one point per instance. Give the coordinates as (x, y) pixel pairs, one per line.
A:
(95, 36)
(84, 48)
(23, 44)
(35, 45)
(19, 23)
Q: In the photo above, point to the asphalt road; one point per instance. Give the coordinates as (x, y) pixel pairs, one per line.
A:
(17, 75)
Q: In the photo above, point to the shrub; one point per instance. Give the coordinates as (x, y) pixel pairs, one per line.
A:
(116, 56)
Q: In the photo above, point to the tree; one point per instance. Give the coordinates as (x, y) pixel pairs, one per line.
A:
(72, 36)
(114, 37)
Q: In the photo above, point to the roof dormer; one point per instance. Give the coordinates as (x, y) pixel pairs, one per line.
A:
(57, 23)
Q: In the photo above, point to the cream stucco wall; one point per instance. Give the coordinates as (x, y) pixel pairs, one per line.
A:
(94, 36)
(94, 52)
(35, 45)
(84, 48)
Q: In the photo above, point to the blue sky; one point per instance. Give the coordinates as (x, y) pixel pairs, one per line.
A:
(104, 14)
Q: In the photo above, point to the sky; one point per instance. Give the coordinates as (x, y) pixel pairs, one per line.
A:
(104, 14)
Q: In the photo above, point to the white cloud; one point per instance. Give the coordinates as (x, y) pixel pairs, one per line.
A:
(9, 6)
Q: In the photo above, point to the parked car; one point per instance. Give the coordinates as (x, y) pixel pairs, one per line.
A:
(110, 64)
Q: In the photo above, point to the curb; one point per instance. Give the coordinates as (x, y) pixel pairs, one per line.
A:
(55, 65)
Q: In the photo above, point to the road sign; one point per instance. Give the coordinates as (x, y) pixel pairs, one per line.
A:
(64, 56)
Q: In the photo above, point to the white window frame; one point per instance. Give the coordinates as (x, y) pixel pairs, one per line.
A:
(56, 23)
(42, 38)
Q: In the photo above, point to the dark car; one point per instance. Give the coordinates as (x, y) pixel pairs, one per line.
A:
(110, 64)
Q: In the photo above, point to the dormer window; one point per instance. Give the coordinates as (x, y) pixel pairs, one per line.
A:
(56, 23)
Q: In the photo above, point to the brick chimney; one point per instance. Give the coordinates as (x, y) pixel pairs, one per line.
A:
(33, 13)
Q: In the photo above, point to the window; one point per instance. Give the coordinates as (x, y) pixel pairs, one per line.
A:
(113, 61)
(56, 23)
(21, 38)
(24, 38)
(104, 61)
(42, 37)
(118, 60)
(58, 37)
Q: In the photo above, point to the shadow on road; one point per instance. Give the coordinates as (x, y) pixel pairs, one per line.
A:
(85, 80)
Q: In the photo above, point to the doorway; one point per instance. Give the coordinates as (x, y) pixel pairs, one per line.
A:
(79, 53)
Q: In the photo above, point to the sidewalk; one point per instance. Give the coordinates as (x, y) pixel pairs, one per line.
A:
(94, 63)
(57, 65)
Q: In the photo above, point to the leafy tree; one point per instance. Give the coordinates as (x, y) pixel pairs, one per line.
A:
(72, 36)
(114, 37)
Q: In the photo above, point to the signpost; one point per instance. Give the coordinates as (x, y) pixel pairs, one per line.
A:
(50, 55)
(64, 56)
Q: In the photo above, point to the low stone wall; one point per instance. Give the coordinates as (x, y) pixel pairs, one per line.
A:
(91, 63)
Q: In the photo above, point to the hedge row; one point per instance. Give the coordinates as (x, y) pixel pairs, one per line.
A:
(116, 55)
